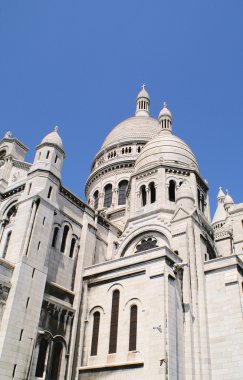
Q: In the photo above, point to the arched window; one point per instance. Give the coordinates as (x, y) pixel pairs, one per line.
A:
(133, 328)
(41, 358)
(202, 203)
(199, 199)
(152, 192)
(95, 334)
(114, 322)
(96, 199)
(73, 242)
(108, 195)
(6, 244)
(2, 154)
(143, 195)
(64, 238)
(122, 188)
(54, 238)
(56, 360)
(172, 187)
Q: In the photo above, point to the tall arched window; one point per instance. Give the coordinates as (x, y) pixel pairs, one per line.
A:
(56, 360)
(122, 188)
(143, 195)
(73, 242)
(64, 238)
(41, 358)
(54, 239)
(202, 203)
(96, 199)
(152, 192)
(7, 244)
(108, 195)
(133, 328)
(199, 199)
(95, 334)
(172, 188)
(114, 322)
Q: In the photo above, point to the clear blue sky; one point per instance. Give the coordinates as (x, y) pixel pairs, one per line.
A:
(80, 64)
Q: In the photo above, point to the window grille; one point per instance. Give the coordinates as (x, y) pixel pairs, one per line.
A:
(114, 322)
(108, 195)
(95, 335)
(133, 328)
(122, 188)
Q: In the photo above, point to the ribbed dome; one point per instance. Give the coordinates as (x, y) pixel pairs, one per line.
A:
(143, 94)
(168, 149)
(137, 128)
(53, 138)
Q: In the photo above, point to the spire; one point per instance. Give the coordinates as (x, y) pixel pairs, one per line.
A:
(165, 118)
(221, 195)
(142, 103)
(220, 214)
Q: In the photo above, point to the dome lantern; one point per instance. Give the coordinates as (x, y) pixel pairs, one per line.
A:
(165, 118)
(142, 103)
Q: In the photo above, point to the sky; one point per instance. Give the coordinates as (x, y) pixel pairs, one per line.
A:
(80, 64)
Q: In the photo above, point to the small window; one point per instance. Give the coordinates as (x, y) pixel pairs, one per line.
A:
(44, 220)
(143, 195)
(95, 334)
(122, 188)
(96, 199)
(64, 238)
(47, 154)
(40, 367)
(27, 303)
(133, 328)
(54, 239)
(73, 242)
(108, 195)
(39, 156)
(56, 158)
(21, 334)
(114, 322)
(199, 199)
(30, 185)
(152, 192)
(49, 192)
(172, 188)
(6, 245)
(38, 248)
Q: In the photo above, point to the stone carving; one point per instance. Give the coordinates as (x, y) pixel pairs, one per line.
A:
(146, 243)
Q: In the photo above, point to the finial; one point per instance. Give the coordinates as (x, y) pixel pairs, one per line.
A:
(164, 105)
(56, 128)
(227, 191)
(8, 134)
(143, 86)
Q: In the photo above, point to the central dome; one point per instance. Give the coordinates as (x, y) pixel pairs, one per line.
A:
(166, 148)
(137, 128)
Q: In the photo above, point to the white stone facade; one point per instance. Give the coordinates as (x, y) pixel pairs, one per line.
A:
(138, 283)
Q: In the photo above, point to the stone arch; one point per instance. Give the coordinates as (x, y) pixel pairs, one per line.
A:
(133, 237)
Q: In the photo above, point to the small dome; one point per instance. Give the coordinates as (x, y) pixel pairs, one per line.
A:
(53, 138)
(166, 148)
(228, 201)
(137, 128)
(143, 93)
(165, 111)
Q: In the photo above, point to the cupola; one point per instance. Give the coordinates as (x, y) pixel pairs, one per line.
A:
(165, 118)
(228, 201)
(142, 103)
(50, 154)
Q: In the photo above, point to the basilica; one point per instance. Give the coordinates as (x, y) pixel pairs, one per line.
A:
(135, 283)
